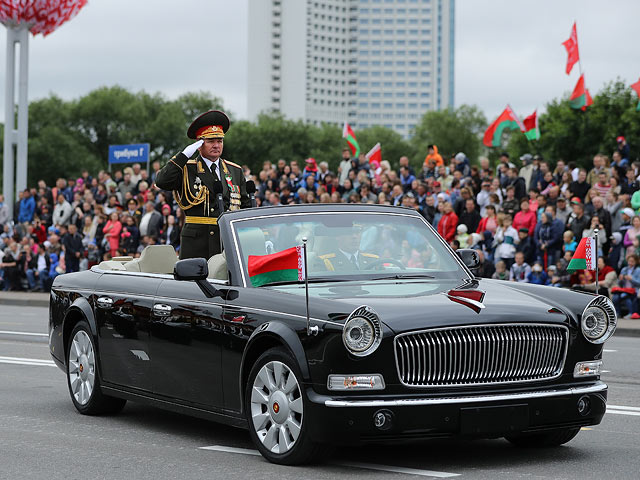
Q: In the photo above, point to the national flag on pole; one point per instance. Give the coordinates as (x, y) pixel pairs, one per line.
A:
(347, 132)
(578, 98)
(636, 88)
(589, 100)
(572, 49)
(375, 154)
(507, 119)
(531, 129)
(585, 257)
(284, 266)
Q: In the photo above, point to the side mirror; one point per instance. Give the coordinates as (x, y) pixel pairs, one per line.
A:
(196, 269)
(469, 257)
(191, 269)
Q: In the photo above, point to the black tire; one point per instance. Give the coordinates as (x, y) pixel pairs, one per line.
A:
(552, 438)
(87, 401)
(303, 449)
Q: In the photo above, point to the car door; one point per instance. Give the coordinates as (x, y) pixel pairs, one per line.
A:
(123, 304)
(186, 333)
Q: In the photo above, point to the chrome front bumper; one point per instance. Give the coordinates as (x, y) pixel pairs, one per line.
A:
(413, 402)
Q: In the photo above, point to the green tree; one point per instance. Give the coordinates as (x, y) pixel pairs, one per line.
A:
(55, 148)
(574, 135)
(392, 144)
(452, 130)
(273, 137)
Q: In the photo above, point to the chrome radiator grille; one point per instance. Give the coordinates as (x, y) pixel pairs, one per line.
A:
(483, 354)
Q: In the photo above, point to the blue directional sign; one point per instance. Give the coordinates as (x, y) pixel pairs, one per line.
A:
(138, 152)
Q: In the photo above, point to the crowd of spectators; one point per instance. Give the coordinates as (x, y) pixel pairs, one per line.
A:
(526, 220)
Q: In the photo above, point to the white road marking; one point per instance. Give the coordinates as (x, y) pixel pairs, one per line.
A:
(366, 466)
(27, 334)
(223, 448)
(605, 371)
(622, 407)
(623, 412)
(27, 361)
(391, 468)
(609, 351)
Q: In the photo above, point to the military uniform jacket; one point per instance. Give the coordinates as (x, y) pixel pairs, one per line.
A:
(338, 262)
(192, 185)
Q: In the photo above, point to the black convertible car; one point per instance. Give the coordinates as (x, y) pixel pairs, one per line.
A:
(395, 340)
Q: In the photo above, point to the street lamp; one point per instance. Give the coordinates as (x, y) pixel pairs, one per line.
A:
(21, 17)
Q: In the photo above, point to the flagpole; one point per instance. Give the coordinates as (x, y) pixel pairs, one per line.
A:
(310, 330)
(577, 45)
(595, 231)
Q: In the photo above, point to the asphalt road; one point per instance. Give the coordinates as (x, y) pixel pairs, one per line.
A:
(42, 436)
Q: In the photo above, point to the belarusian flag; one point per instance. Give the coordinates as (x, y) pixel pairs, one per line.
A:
(585, 256)
(347, 133)
(375, 154)
(578, 98)
(507, 119)
(284, 266)
(572, 49)
(531, 129)
(589, 101)
(636, 87)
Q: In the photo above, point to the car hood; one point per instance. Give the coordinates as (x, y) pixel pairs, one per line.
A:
(406, 305)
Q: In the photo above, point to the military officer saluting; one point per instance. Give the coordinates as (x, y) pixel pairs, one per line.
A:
(192, 183)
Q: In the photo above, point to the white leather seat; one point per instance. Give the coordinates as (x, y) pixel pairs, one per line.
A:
(111, 265)
(218, 267)
(252, 242)
(154, 259)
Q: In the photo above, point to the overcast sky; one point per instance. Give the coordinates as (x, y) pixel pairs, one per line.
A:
(506, 51)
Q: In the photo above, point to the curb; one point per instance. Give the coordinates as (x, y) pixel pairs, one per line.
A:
(36, 302)
(627, 332)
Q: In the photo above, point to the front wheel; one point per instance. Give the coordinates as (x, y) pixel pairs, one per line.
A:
(82, 375)
(553, 438)
(275, 410)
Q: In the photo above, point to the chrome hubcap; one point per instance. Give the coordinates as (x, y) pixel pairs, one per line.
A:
(276, 407)
(82, 367)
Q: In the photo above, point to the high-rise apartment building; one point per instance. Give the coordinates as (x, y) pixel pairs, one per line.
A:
(368, 62)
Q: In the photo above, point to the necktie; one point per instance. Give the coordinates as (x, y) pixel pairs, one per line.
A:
(354, 262)
(214, 171)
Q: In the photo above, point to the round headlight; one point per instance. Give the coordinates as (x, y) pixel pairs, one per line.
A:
(358, 334)
(599, 320)
(362, 332)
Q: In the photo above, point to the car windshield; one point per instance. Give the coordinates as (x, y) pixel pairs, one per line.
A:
(342, 246)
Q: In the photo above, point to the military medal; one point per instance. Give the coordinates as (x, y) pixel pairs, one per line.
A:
(234, 190)
(197, 185)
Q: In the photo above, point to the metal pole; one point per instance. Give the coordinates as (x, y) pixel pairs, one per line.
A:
(9, 122)
(23, 110)
(310, 330)
(595, 231)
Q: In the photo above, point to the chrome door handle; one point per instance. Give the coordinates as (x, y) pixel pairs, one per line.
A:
(105, 302)
(162, 310)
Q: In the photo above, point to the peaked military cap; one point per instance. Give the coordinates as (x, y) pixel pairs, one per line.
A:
(212, 124)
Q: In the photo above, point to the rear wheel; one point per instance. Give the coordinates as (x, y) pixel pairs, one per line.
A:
(82, 375)
(275, 409)
(551, 438)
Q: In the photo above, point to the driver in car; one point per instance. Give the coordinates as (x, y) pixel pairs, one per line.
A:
(347, 256)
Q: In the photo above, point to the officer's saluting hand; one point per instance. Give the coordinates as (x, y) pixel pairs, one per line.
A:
(191, 181)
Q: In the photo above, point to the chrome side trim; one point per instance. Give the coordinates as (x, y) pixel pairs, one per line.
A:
(599, 387)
